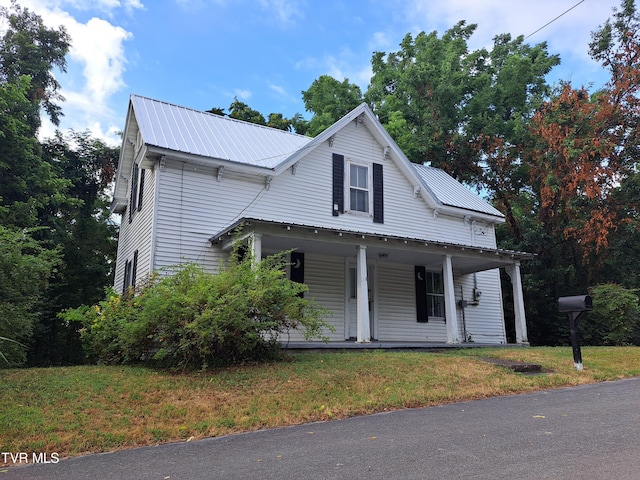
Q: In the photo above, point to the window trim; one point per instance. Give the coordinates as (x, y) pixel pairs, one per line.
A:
(348, 187)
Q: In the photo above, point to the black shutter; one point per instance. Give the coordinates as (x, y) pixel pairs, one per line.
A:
(421, 294)
(134, 269)
(134, 190)
(337, 206)
(378, 195)
(141, 188)
(125, 280)
(297, 268)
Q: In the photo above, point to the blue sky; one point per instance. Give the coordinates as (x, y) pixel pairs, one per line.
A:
(203, 53)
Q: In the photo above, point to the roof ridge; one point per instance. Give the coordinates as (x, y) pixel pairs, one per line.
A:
(222, 117)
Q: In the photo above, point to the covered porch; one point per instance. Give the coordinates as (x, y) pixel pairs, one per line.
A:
(371, 297)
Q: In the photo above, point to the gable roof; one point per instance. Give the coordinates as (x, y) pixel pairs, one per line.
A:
(205, 134)
(166, 128)
(450, 192)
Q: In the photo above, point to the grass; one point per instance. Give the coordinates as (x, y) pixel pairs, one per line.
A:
(78, 410)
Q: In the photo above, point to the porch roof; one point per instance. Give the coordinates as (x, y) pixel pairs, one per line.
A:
(278, 236)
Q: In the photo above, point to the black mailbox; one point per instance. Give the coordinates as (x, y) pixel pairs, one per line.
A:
(577, 303)
(575, 307)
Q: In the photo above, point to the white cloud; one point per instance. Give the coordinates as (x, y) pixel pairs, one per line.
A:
(99, 46)
(96, 62)
(287, 12)
(278, 89)
(568, 34)
(345, 65)
(381, 41)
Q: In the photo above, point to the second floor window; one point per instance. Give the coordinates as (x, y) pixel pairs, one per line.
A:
(359, 188)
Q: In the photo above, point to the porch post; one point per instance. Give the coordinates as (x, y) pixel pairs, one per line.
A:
(451, 315)
(362, 294)
(256, 247)
(518, 302)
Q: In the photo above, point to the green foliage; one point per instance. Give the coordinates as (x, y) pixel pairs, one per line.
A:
(27, 47)
(241, 111)
(193, 319)
(29, 185)
(25, 268)
(329, 100)
(615, 318)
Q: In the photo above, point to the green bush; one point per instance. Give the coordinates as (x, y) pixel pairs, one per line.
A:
(614, 319)
(193, 319)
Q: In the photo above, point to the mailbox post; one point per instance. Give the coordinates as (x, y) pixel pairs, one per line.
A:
(575, 307)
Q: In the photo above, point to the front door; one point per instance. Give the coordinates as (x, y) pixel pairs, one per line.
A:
(351, 329)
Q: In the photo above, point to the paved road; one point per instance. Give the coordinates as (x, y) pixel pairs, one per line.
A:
(588, 432)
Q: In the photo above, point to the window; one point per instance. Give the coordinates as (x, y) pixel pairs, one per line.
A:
(137, 188)
(130, 273)
(429, 294)
(435, 295)
(359, 188)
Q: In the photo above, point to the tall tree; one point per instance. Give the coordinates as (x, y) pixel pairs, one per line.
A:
(329, 100)
(28, 183)
(29, 48)
(582, 161)
(424, 85)
(459, 110)
(86, 238)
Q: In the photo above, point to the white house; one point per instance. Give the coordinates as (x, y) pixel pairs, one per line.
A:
(395, 251)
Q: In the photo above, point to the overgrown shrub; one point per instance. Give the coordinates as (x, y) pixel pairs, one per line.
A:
(193, 319)
(615, 317)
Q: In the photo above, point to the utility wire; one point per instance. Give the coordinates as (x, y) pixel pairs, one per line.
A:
(549, 23)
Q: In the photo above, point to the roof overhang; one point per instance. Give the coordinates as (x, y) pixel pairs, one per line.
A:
(278, 236)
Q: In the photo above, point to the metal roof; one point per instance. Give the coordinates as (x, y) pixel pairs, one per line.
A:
(449, 191)
(199, 133)
(185, 130)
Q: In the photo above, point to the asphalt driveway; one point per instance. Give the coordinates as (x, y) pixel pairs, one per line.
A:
(591, 431)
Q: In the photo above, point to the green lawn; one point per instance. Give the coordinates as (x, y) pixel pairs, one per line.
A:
(76, 410)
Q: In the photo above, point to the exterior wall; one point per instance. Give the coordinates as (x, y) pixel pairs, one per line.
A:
(194, 205)
(397, 308)
(395, 303)
(306, 197)
(482, 322)
(324, 275)
(137, 235)
(189, 212)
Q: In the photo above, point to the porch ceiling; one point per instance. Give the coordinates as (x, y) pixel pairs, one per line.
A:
(380, 248)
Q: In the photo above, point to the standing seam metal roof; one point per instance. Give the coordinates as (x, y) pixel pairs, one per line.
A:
(190, 131)
(451, 192)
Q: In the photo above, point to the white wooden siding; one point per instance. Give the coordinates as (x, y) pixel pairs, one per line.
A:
(324, 275)
(306, 197)
(397, 308)
(187, 216)
(137, 234)
(484, 321)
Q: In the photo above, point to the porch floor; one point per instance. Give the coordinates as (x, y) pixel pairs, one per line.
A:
(385, 345)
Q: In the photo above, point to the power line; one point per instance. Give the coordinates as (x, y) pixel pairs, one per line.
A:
(549, 23)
